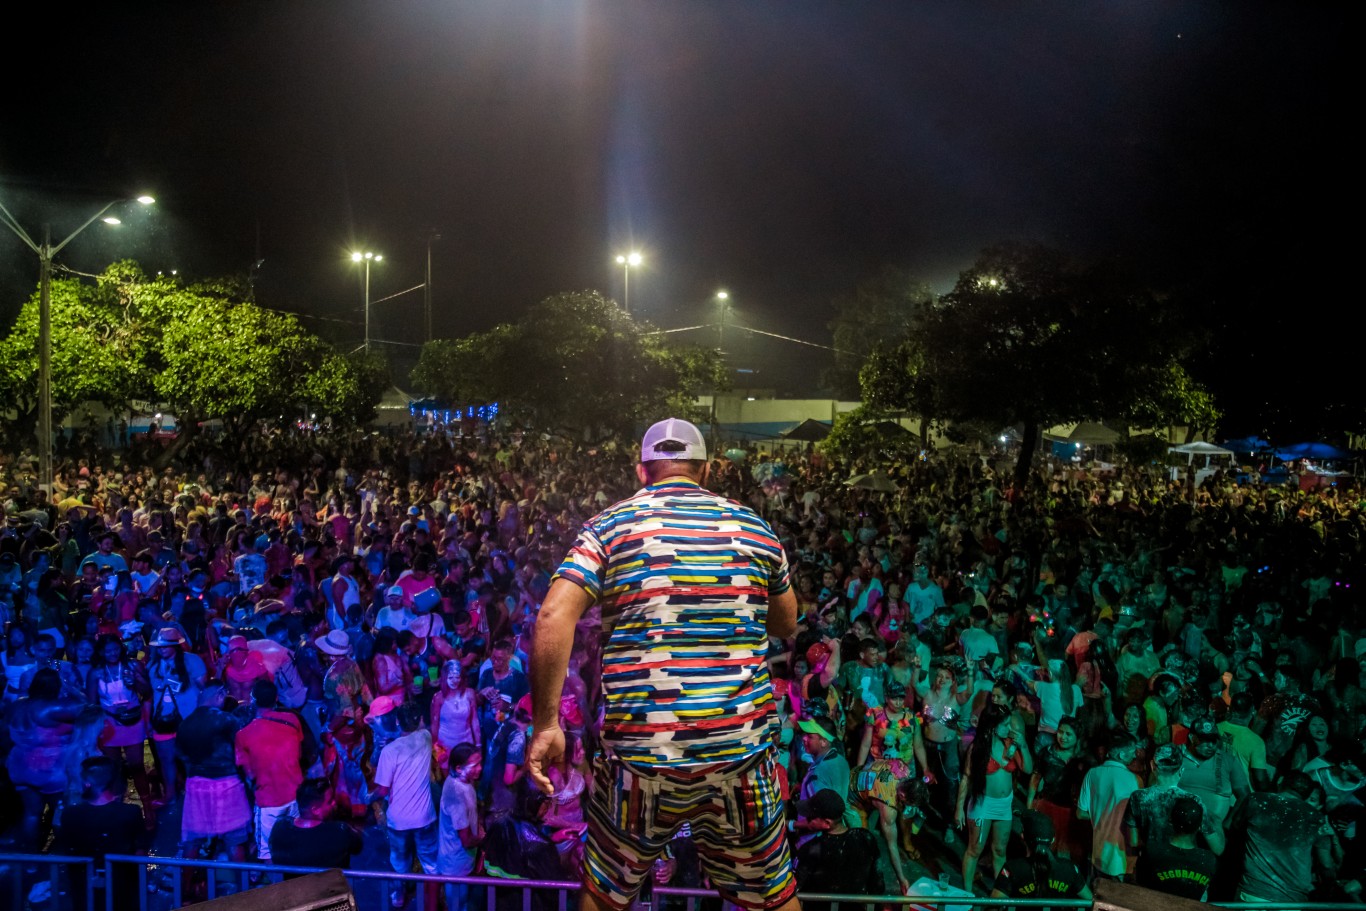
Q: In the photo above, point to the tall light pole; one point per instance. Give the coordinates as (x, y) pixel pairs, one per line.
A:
(722, 297)
(366, 257)
(722, 301)
(626, 261)
(432, 235)
(46, 251)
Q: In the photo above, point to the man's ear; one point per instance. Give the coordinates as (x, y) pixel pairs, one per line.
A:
(706, 475)
(640, 474)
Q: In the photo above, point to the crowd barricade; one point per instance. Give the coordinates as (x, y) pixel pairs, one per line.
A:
(160, 884)
(71, 881)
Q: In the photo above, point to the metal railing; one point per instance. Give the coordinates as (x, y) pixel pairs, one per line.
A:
(248, 875)
(16, 882)
(160, 887)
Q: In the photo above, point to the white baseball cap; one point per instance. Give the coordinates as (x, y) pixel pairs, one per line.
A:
(673, 439)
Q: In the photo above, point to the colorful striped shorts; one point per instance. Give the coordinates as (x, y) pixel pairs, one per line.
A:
(733, 809)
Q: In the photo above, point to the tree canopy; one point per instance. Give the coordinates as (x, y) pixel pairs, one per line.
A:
(575, 362)
(876, 318)
(200, 349)
(1030, 336)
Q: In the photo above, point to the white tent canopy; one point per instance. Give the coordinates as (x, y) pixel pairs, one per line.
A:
(1201, 449)
(1202, 459)
(1088, 433)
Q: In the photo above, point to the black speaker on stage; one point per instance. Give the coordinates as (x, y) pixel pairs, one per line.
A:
(325, 891)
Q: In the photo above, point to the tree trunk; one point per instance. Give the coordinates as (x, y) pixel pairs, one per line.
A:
(186, 432)
(1028, 445)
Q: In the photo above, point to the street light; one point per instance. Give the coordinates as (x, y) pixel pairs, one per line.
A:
(626, 261)
(366, 257)
(722, 302)
(721, 298)
(46, 251)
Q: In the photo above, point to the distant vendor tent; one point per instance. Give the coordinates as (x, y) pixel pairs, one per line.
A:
(808, 431)
(1201, 449)
(876, 481)
(1315, 451)
(1201, 459)
(1247, 445)
(1087, 433)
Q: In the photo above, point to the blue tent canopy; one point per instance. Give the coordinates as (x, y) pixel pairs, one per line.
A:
(1312, 451)
(1246, 444)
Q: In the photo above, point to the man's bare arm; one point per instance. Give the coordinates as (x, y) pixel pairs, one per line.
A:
(782, 615)
(564, 604)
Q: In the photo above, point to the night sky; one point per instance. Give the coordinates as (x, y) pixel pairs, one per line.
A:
(779, 150)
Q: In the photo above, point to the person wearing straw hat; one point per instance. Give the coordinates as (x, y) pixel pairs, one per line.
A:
(177, 678)
(344, 688)
(691, 587)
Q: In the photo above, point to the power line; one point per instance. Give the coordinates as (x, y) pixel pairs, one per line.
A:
(785, 338)
(396, 294)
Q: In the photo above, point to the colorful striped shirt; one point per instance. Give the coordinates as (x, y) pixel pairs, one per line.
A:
(684, 578)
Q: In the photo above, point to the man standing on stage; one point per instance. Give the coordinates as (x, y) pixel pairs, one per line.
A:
(691, 586)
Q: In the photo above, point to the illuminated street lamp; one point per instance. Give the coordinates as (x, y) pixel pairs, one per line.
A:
(626, 261)
(722, 303)
(367, 257)
(46, 251)
(721, 299)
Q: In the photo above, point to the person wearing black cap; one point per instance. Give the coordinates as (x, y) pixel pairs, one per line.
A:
(840, 860)
(1176, 863)
(1040, 873)
(1211, 772)
(1147, 818)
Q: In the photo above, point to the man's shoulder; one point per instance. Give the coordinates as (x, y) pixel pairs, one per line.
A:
(685, 497)
(1114, 774)
(863, 837)
(833, 767)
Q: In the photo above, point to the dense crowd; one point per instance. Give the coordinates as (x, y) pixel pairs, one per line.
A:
(305, 637)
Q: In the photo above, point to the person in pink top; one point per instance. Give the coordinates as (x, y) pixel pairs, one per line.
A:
(416, 581)
(242, 668)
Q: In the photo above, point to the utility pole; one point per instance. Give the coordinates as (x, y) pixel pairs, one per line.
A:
(427, 285)
(45, 254)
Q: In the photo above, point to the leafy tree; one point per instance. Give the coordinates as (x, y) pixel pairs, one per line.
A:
(868, 437)
(878, 316)
(201, 349)
(895, 379)
(574, 362)
(1029, 336)
(237, 362)
(93, 340)
(471, 370)
(1168, 394)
